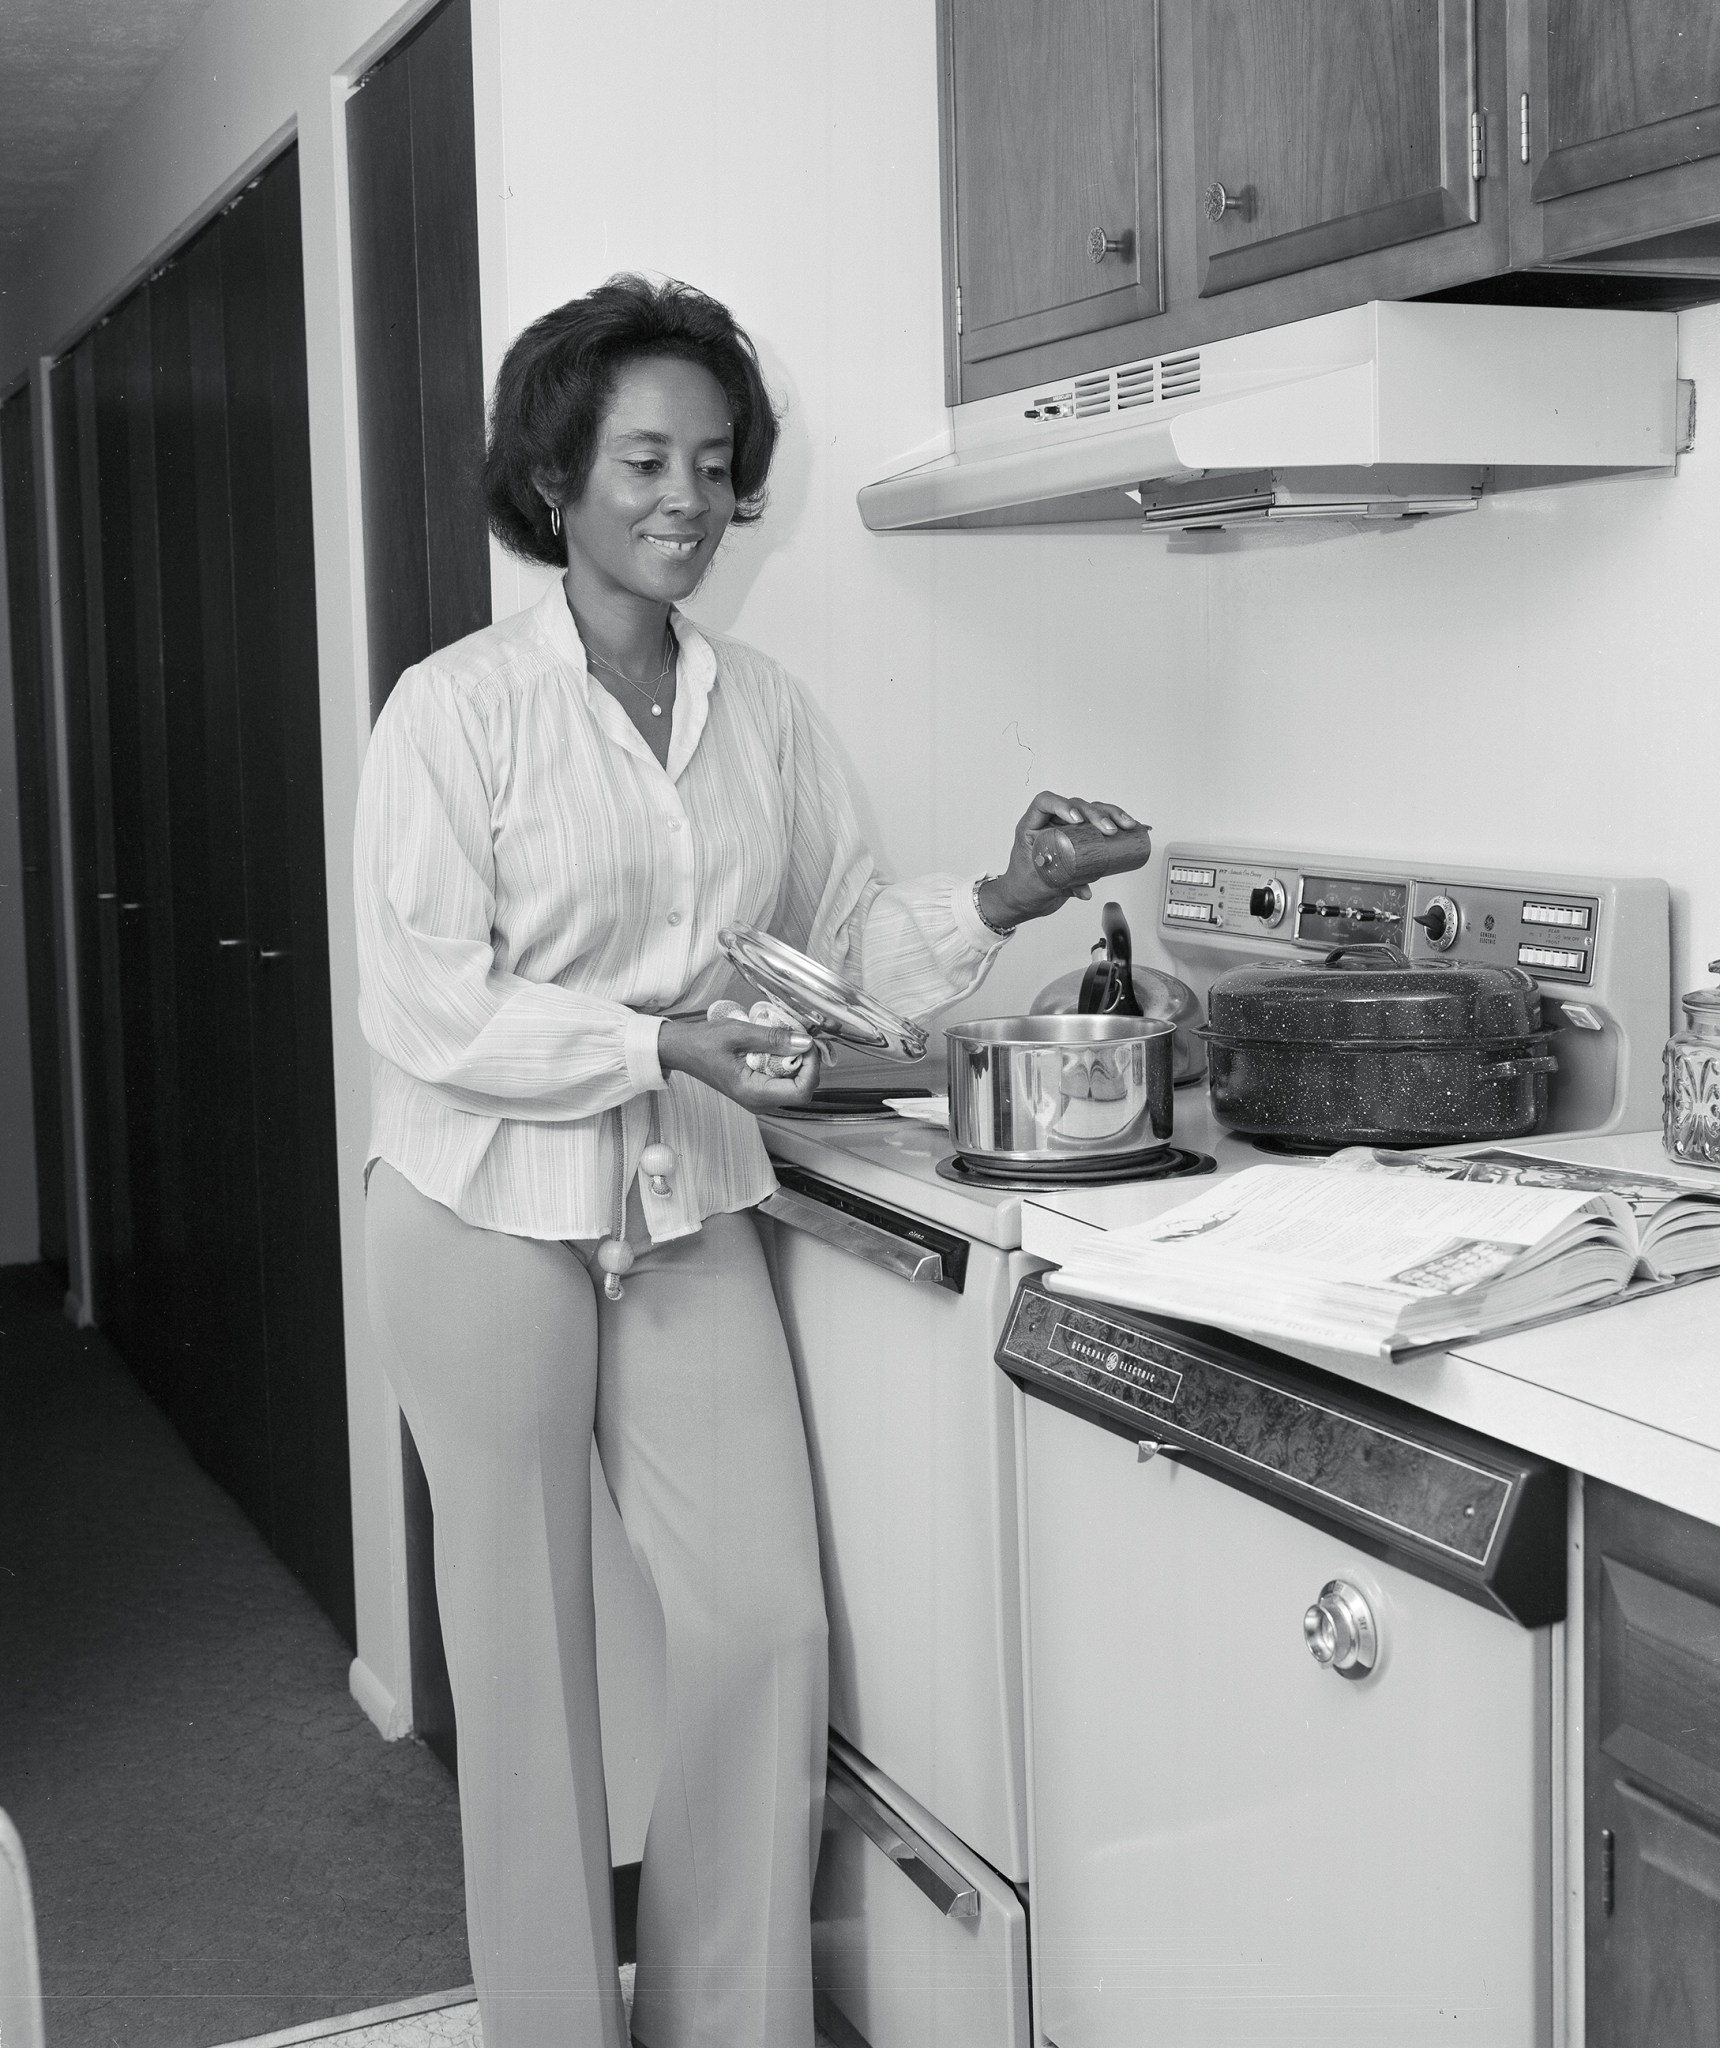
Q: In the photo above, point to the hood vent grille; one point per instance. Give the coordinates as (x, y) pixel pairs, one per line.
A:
(1158, 378)
(1135, 385)
(1092, 395)
(1179, 376)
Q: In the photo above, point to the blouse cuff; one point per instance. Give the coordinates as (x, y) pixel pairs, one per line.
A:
(639, 1046)
(973, 928)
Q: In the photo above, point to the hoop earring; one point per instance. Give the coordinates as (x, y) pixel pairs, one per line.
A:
(555, 521)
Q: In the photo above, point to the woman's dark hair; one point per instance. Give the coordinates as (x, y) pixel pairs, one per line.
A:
(556, 382)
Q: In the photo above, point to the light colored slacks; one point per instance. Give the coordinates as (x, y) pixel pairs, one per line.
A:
(505, 1356)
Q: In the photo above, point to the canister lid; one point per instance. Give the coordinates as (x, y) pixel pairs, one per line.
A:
(1705, 999)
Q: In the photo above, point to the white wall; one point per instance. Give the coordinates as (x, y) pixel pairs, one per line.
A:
(1533, 683)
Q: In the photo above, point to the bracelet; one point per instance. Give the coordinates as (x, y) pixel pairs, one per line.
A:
(1002, 931)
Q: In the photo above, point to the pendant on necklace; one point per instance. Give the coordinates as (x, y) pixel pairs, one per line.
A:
(656, 711)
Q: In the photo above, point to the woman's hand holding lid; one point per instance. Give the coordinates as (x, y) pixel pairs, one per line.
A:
(719, 1050)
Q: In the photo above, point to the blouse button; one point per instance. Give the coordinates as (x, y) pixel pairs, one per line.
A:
(674, 917)
(674, 824)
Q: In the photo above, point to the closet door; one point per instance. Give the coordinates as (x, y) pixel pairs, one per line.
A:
(190, 620)
(414, 191)
(218, 1394)
(94, 897)
(280, 779)
(30, 723)
(413, 171)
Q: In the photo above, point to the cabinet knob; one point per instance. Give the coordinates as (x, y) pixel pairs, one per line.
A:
(1100, 245)
(1219, 202)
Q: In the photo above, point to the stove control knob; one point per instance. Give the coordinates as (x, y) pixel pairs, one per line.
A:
(1270, 903)
(1441, 921)
(1340, 1630)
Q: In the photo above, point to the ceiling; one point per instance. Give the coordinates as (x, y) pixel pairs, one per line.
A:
(68, 70)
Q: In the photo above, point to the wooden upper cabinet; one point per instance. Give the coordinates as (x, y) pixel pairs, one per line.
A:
(1325, 129)
(1623, 98)
(1052, 149)
(1629, 86)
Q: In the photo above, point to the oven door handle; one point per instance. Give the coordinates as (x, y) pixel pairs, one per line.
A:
(912, 1854)
(854, 1235)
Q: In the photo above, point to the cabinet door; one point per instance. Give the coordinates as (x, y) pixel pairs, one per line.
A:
(1624, 120)
(1652, 1774)
(1328, 128)
(1054, 124)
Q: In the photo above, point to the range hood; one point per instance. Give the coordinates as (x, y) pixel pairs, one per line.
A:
(1383, 411)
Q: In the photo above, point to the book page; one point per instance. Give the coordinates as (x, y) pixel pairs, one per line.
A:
(1430, 1237)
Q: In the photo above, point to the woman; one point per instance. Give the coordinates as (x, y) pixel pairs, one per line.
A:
(557, 815)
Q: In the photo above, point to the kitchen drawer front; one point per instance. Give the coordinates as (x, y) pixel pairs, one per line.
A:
(910, 1428)
(892, 1965)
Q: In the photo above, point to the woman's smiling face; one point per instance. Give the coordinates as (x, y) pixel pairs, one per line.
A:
(661, 491)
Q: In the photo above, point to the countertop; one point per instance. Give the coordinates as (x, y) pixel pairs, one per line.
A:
(1629, 1394)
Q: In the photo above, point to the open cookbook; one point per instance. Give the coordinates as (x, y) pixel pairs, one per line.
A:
(1381, 1253)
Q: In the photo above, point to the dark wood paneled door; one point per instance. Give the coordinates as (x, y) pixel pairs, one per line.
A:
(1056, 168)
(412, 160)
(1651, 1774)
(186, 545)
(35, 830)
(1328, 128)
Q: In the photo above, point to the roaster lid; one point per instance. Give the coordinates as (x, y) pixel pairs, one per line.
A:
(1373, 995)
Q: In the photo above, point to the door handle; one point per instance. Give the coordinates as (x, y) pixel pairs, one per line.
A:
(229, 942)
(273, 952)
(854, 1235)
(911, 1853)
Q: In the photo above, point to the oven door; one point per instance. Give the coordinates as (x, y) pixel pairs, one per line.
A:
(910, 1426)
(1234, 1845)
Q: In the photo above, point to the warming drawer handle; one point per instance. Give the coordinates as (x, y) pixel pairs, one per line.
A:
(854, 1235)
(912, 1855)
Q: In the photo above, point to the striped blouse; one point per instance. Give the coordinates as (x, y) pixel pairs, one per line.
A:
(535, 892)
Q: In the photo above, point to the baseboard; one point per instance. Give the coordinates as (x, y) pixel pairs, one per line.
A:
(354, 2022)
(378, 1702)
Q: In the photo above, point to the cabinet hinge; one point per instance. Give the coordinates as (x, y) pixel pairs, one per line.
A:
(1478, 145)
(958, 309)
(1523, 128)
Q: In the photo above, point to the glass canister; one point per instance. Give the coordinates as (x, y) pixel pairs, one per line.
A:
(1691, 1094)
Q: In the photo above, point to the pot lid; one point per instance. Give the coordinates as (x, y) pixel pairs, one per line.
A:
(1707, 999)
(827, 1005)
(1373, 995)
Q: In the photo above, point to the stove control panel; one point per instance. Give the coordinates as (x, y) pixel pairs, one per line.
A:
(1597, 947)
(1552, 935)
(1439, 1500)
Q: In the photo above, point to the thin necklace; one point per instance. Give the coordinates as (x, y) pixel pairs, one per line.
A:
(655, 692)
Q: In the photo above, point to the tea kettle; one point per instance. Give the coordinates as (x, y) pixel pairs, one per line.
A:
(1112, 985)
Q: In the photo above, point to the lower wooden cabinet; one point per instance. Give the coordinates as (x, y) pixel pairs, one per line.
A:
(1651, 1773)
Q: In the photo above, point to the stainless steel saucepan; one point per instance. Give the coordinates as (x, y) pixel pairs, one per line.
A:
(1043, 1090)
